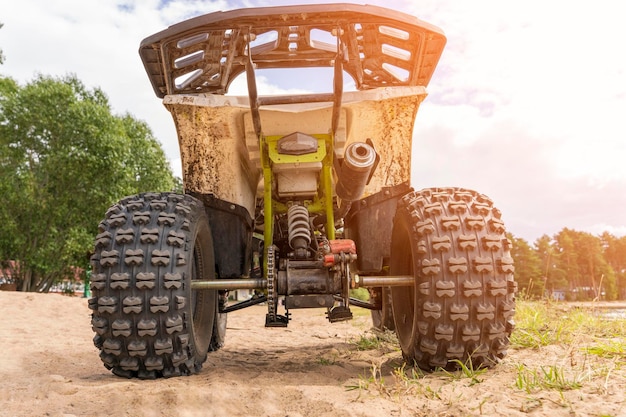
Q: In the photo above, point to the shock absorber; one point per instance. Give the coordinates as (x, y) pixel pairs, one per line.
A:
(299, 230)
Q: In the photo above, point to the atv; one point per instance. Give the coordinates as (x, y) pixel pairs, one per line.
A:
(298, 198)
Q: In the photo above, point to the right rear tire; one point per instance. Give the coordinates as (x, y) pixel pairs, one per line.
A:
(462, 304)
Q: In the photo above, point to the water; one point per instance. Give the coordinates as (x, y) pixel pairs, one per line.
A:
(613, 313)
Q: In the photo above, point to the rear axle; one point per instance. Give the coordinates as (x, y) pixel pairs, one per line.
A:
(259, 284)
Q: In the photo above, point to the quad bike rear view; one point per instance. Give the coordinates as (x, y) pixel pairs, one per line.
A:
(298, 198)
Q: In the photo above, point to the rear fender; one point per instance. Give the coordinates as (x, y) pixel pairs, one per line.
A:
(220, 151)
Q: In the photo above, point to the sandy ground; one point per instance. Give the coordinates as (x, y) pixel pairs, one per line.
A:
(49, 367)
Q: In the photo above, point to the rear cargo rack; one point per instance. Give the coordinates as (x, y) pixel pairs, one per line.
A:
(376, 46)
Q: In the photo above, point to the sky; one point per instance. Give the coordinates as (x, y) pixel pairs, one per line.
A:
(527, 104)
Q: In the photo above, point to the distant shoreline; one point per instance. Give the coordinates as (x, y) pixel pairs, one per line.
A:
(590, 305)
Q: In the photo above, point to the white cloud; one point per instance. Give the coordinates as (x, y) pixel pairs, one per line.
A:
(535, 92)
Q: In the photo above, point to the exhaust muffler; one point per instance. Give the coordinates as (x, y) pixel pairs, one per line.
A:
(359, 162)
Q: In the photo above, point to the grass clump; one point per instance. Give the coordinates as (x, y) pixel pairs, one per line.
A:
(536, 326)
(375, 379)
(612, 348)
(391, 381)
(465, 370)
(373, 340)
(551, 377)
(368, 342)
(324, 361)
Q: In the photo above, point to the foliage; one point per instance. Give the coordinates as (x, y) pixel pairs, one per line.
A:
(572, 265)
(528, 268)
(1, 54)
(65, 158)
(360, 294)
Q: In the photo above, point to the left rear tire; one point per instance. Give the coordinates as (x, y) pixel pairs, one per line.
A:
(148, 321)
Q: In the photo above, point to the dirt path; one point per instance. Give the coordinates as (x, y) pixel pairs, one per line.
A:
(49, 366)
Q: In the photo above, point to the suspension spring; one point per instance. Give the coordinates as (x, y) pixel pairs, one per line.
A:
(299, 229)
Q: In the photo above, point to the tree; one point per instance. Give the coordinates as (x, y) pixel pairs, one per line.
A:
(554, 278)
(567, 259)
(614, 250)
(581, 258)
(1, 54)
(528, 268)
(594, 267)
(64, 159)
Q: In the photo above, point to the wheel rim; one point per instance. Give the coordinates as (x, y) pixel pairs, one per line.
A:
(201, 300)
(403, 297)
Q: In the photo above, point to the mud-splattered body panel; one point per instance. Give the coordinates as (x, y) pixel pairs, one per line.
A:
(219, 149)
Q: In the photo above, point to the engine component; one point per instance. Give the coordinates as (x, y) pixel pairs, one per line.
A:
(297, 143)
(338, 250)
(358, 163)
(309, 301)
(297, 180)
(296, 163)
(307, 278)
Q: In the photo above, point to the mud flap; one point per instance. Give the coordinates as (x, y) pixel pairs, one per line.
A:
(370, 222)
(232, 229)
